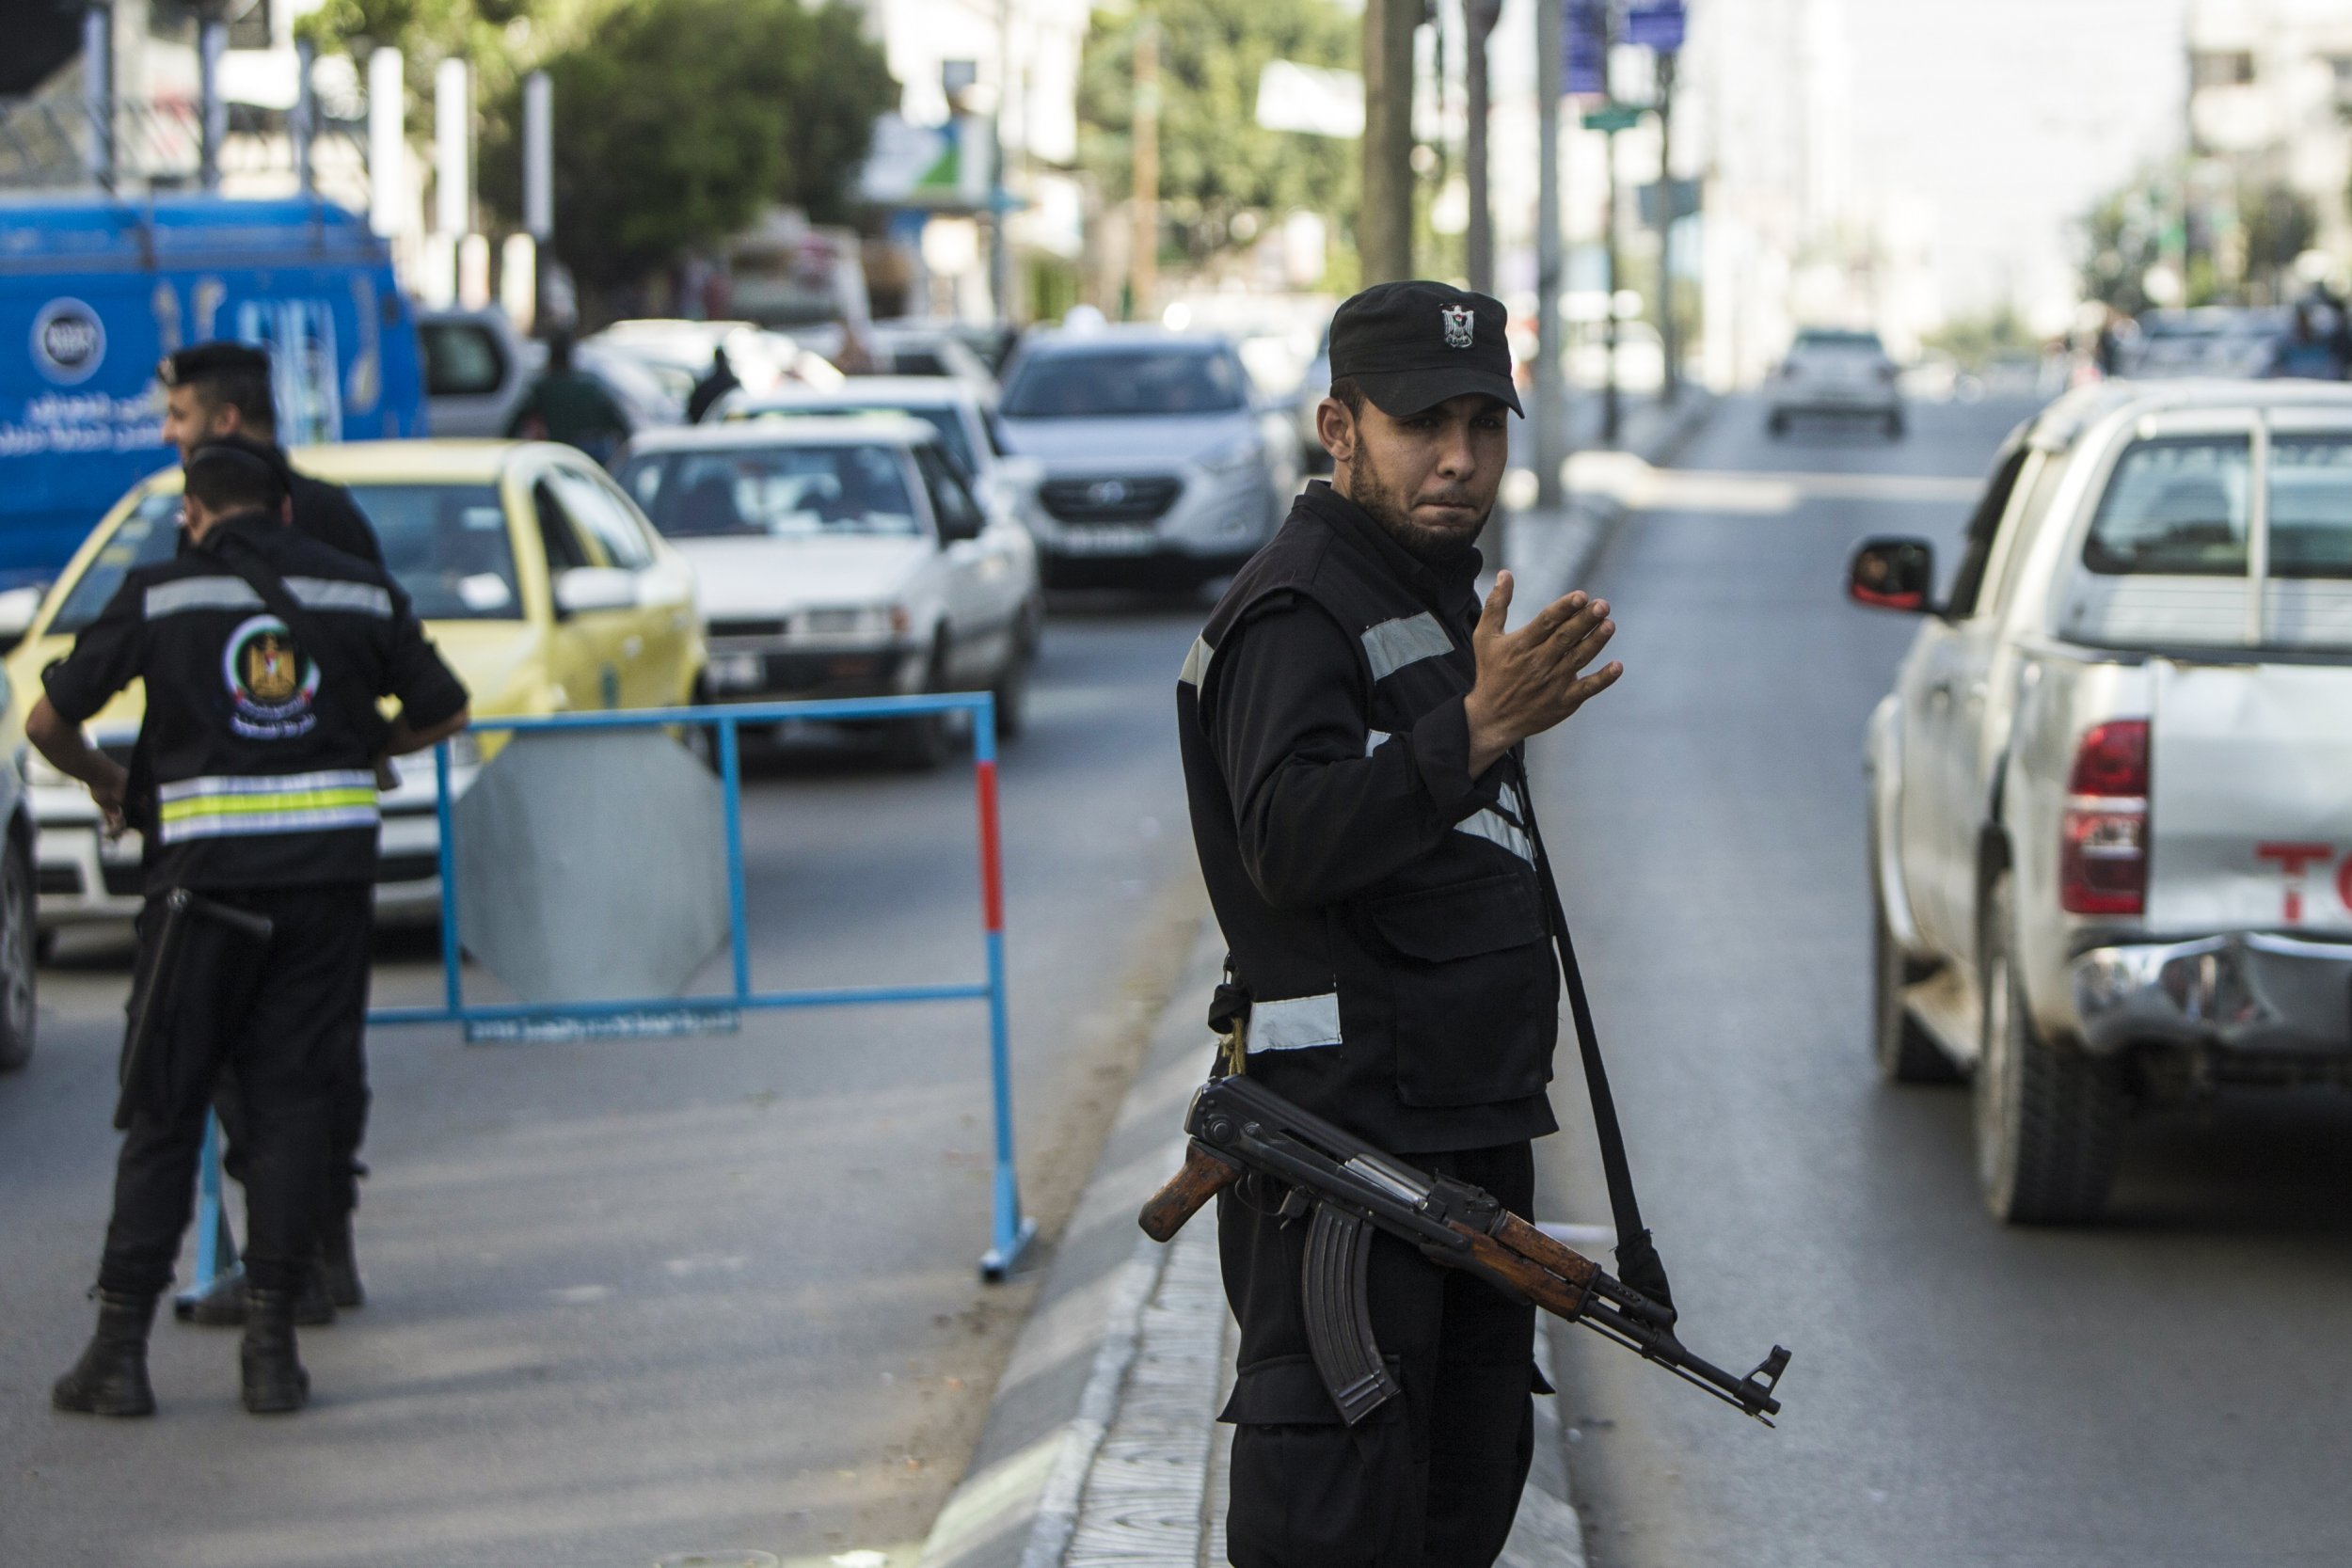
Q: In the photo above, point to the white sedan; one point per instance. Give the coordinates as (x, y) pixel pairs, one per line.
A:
(845, 557)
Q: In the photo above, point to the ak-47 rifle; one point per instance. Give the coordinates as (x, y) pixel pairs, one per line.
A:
(1239, 1127)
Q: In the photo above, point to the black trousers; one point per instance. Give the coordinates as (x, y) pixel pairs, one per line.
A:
(1428, 1480)
(347, 1103)
(276, 1015)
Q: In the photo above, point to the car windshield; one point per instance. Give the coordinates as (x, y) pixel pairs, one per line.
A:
(446, 544)
(1838, 342)
(1112, 384)
(779, 491)
(940, 416)
(2179, 507)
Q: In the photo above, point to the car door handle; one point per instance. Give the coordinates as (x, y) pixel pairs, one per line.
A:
(1940, 690)
(633, 645)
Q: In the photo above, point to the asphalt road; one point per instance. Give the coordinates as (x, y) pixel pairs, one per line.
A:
(2164, 1390)
(633, 1298)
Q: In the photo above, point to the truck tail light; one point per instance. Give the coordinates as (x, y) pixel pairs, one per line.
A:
(2103, 836)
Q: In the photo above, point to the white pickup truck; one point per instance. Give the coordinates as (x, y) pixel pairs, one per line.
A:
(2111, 792)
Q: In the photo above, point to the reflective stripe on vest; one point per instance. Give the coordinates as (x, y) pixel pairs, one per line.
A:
(225, 806)
(1393, 645)
(1294, 1023)
(234, 592)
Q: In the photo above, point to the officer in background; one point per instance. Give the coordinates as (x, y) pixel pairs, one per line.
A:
(212, 390)
(223, 389)
(263, 653)
(1350, 722)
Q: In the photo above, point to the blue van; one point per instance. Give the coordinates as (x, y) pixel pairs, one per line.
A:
(95, 289)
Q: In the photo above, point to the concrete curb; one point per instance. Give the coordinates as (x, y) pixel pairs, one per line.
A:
(1018, 1505)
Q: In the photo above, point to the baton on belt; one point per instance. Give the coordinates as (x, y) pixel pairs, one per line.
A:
(151, 1001)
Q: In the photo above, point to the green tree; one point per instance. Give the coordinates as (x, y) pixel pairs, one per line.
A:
(1216, 163)
(2122, 239)
(676, 120)
(2280, 224)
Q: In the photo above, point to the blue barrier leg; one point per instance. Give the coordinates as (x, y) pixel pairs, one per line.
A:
(731, 782)
(452, 980)
(1011, 1232)
(216, 1243)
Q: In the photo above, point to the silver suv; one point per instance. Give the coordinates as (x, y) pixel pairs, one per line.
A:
(1157, 461)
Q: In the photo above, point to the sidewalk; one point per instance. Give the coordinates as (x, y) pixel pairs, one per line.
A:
(1101, 1446)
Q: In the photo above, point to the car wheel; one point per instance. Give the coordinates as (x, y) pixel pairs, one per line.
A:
(18, 941)
(1894, 427)
(1905, 1053)
(1013, 687)
(921, 743)
(1778, 424)
(2049, 1117)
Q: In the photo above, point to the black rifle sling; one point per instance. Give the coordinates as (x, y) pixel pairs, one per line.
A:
(1638, 1263)
(358, 706)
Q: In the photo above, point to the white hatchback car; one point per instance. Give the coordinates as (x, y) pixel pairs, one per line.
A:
(1835, 374)
(844, 557)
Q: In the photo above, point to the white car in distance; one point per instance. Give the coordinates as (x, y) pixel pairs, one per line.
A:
(950, 406)
(845, 557)
(1830, 373)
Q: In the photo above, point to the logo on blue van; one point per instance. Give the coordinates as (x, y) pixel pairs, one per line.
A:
(68, 341)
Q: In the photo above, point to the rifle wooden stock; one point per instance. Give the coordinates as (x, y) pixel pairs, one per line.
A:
(1204, 1176)
(1516, 1271)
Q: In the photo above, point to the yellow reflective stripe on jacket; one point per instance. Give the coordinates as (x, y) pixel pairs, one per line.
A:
(235, 806)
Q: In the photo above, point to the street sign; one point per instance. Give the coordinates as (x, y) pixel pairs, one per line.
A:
(1684, 201)
(1585, 30)
(1613, 117)
(1655, 25)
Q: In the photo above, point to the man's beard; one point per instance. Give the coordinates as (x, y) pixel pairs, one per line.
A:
(1392, 510)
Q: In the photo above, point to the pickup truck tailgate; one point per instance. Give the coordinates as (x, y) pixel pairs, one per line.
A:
(2251, 823)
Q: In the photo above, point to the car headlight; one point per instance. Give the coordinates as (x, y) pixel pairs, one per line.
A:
(1234, 457)
(873, 620)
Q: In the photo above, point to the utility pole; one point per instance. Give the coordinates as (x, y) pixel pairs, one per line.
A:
(1143, 268)
(1384, 226)
(1478, 25)
(1552, 402)
(98, 90)
(1611, 415)
(211, 41)
(1669, 331)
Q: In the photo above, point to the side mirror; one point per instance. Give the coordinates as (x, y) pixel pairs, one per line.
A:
(584, 589)
(1892, 573)
(955, 530)
(18, 607)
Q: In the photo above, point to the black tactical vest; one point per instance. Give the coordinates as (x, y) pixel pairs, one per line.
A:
(1421, 1011)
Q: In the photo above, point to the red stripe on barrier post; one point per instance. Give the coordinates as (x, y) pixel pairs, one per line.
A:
(991, 854)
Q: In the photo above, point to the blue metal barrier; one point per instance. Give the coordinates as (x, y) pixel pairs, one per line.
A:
(1011, 1230)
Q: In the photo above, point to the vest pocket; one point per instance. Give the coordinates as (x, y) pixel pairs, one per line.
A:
(1474, 989)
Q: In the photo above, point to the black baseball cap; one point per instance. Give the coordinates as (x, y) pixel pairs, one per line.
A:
(1412, 345)
(199, 361)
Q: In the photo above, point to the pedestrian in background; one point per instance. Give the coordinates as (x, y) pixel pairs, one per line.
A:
(1351, 722)
(568, 405)
(716, 383)
(262, 720)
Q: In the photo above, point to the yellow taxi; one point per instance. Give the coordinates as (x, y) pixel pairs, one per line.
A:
(542, 583)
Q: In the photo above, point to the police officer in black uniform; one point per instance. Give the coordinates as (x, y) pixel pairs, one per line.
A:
(263, 653)
(223, 389)
(1350, 723)
(212, 389)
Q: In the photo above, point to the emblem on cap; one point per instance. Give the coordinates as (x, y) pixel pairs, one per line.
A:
(1459, 320)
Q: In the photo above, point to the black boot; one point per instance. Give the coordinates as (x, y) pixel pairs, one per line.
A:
(111, 1377)
(226, 1307)
(339, 1265)
(275, 1383)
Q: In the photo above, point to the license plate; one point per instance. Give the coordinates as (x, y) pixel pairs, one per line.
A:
(1107, 541)
(736, 672)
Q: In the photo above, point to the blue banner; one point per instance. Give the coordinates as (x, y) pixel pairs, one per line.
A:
(1586, 26)
(1655, 25)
